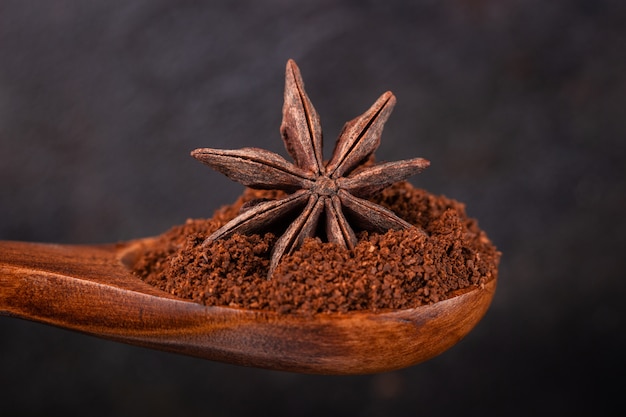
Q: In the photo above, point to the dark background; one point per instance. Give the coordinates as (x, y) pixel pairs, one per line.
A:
(519, 105)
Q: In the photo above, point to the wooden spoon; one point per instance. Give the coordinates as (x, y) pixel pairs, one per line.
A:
(91, 289)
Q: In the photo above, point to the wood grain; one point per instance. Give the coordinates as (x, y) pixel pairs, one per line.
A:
(90, 289)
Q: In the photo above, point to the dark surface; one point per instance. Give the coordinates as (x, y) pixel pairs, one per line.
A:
(519, 105)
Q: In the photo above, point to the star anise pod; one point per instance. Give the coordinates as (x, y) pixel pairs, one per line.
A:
(333, 191)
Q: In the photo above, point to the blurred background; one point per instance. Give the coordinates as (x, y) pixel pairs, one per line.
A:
(519, 105)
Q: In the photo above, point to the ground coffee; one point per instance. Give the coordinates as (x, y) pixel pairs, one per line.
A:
(395, 270)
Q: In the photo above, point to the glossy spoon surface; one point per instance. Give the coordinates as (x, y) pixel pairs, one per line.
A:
(91, 289)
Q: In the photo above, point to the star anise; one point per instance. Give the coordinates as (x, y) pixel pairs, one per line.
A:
(332, 190)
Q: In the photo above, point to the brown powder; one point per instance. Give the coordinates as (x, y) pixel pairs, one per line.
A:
(395, 270)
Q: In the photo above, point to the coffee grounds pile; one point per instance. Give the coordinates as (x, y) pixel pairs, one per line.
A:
(395, 270)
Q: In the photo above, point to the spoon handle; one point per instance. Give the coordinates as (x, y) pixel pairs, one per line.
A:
(38, 281)
(80, 287)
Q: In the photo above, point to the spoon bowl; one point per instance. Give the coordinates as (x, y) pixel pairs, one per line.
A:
(91, 289)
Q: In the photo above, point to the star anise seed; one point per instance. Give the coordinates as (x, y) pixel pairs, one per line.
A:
(333, 189)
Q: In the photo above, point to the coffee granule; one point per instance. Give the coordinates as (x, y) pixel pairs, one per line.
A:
(396, 270)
